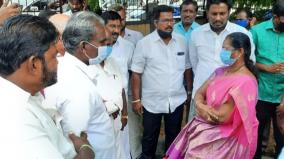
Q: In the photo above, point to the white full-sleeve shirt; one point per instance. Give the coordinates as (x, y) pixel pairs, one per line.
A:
(162, 71)
(109, 84)
(122, 52)
(35, 131)
(204, 50)
(132, 36)
(76, 98)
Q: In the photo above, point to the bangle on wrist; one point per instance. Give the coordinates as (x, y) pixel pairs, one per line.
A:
(86, 146)
(136, 101)
(189, 92)
(124, 117)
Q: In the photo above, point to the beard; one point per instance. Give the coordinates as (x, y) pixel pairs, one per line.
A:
(48, 77)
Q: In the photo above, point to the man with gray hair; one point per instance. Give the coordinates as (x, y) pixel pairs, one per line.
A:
(75, 94)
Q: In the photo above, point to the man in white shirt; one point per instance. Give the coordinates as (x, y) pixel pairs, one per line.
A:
(75, 6)
(158, 66)
(28, 130)
(122, 51)
(128, 34)
(75, 94)
(206, 42)
(134, 122)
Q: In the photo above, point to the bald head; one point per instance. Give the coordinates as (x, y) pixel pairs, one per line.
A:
(59, 21)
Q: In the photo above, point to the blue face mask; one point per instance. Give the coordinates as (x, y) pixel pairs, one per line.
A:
(225, 56)
(242, 22)
(103, 53)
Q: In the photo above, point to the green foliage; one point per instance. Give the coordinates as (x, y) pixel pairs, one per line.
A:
(94, 5)
(254, 4)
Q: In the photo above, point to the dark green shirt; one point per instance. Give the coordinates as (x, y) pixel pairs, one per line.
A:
(269, 49)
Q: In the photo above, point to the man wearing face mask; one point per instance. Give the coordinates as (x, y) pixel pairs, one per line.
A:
(269, 39)
(206, 41)
(158, 66)
(110, 88)
(75, 95)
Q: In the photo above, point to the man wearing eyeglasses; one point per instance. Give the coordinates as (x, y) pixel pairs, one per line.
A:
(158, 65)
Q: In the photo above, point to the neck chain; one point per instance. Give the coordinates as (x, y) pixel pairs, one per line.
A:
(235, 70)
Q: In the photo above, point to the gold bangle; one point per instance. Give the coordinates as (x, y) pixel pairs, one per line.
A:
(87, 146)
(124, 117)
(136, 101)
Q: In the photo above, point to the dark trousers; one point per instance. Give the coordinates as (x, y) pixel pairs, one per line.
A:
(152, 124)
(265, 111)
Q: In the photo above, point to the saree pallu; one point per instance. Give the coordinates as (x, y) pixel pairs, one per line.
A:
(233, 139)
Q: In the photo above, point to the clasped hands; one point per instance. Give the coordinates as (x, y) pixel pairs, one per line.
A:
(207, 113)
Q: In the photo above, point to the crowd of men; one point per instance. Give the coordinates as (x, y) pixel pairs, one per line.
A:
(53, 69)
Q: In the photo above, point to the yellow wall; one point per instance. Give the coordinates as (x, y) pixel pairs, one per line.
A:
(143, 28)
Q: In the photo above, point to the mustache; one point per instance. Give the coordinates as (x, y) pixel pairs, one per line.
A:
(115, 33)
(169, 27)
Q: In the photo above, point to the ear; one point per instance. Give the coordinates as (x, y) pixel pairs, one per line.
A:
(82, 46)
(156, 23)
(34, 65)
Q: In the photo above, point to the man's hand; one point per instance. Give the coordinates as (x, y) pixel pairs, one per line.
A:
(275, 68)
(8, 11)
(124, 120)
(78, 141)
(115, 114)
(280, 110)
(137, 108)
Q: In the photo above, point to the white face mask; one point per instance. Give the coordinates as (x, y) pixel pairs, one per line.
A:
(103, 53)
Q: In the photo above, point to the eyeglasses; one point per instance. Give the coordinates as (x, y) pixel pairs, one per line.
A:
(166, 21)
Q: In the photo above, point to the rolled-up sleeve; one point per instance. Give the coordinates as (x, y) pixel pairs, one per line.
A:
(138, 59)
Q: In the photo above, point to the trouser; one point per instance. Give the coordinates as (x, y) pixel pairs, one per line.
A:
(192, 112)
(152, 124)
(135, 130)
(265, 111)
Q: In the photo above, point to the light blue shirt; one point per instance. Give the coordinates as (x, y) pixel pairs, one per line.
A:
(178, 28)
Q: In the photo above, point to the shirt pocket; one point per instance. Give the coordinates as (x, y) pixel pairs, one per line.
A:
(180, 59)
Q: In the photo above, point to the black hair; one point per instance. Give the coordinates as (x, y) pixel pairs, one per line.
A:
(249, 13)
(159, 9)
(229, 3)
(110, 15)
(278, 8)
(241, 40)
(21, 37)
(46, 13)
(80, 1)
(189, 2)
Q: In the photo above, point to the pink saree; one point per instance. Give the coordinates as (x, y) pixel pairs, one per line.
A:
(234, 139)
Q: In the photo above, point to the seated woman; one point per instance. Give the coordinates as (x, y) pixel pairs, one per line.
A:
(226, 123)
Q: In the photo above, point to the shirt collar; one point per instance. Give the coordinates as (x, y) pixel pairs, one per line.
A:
(193, 25)
(156, 36)
(11, 89)
(227, 28)
(116, 44)
(270, 25)
(79, 64)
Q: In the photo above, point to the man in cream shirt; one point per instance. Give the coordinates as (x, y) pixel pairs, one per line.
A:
(75, 94)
